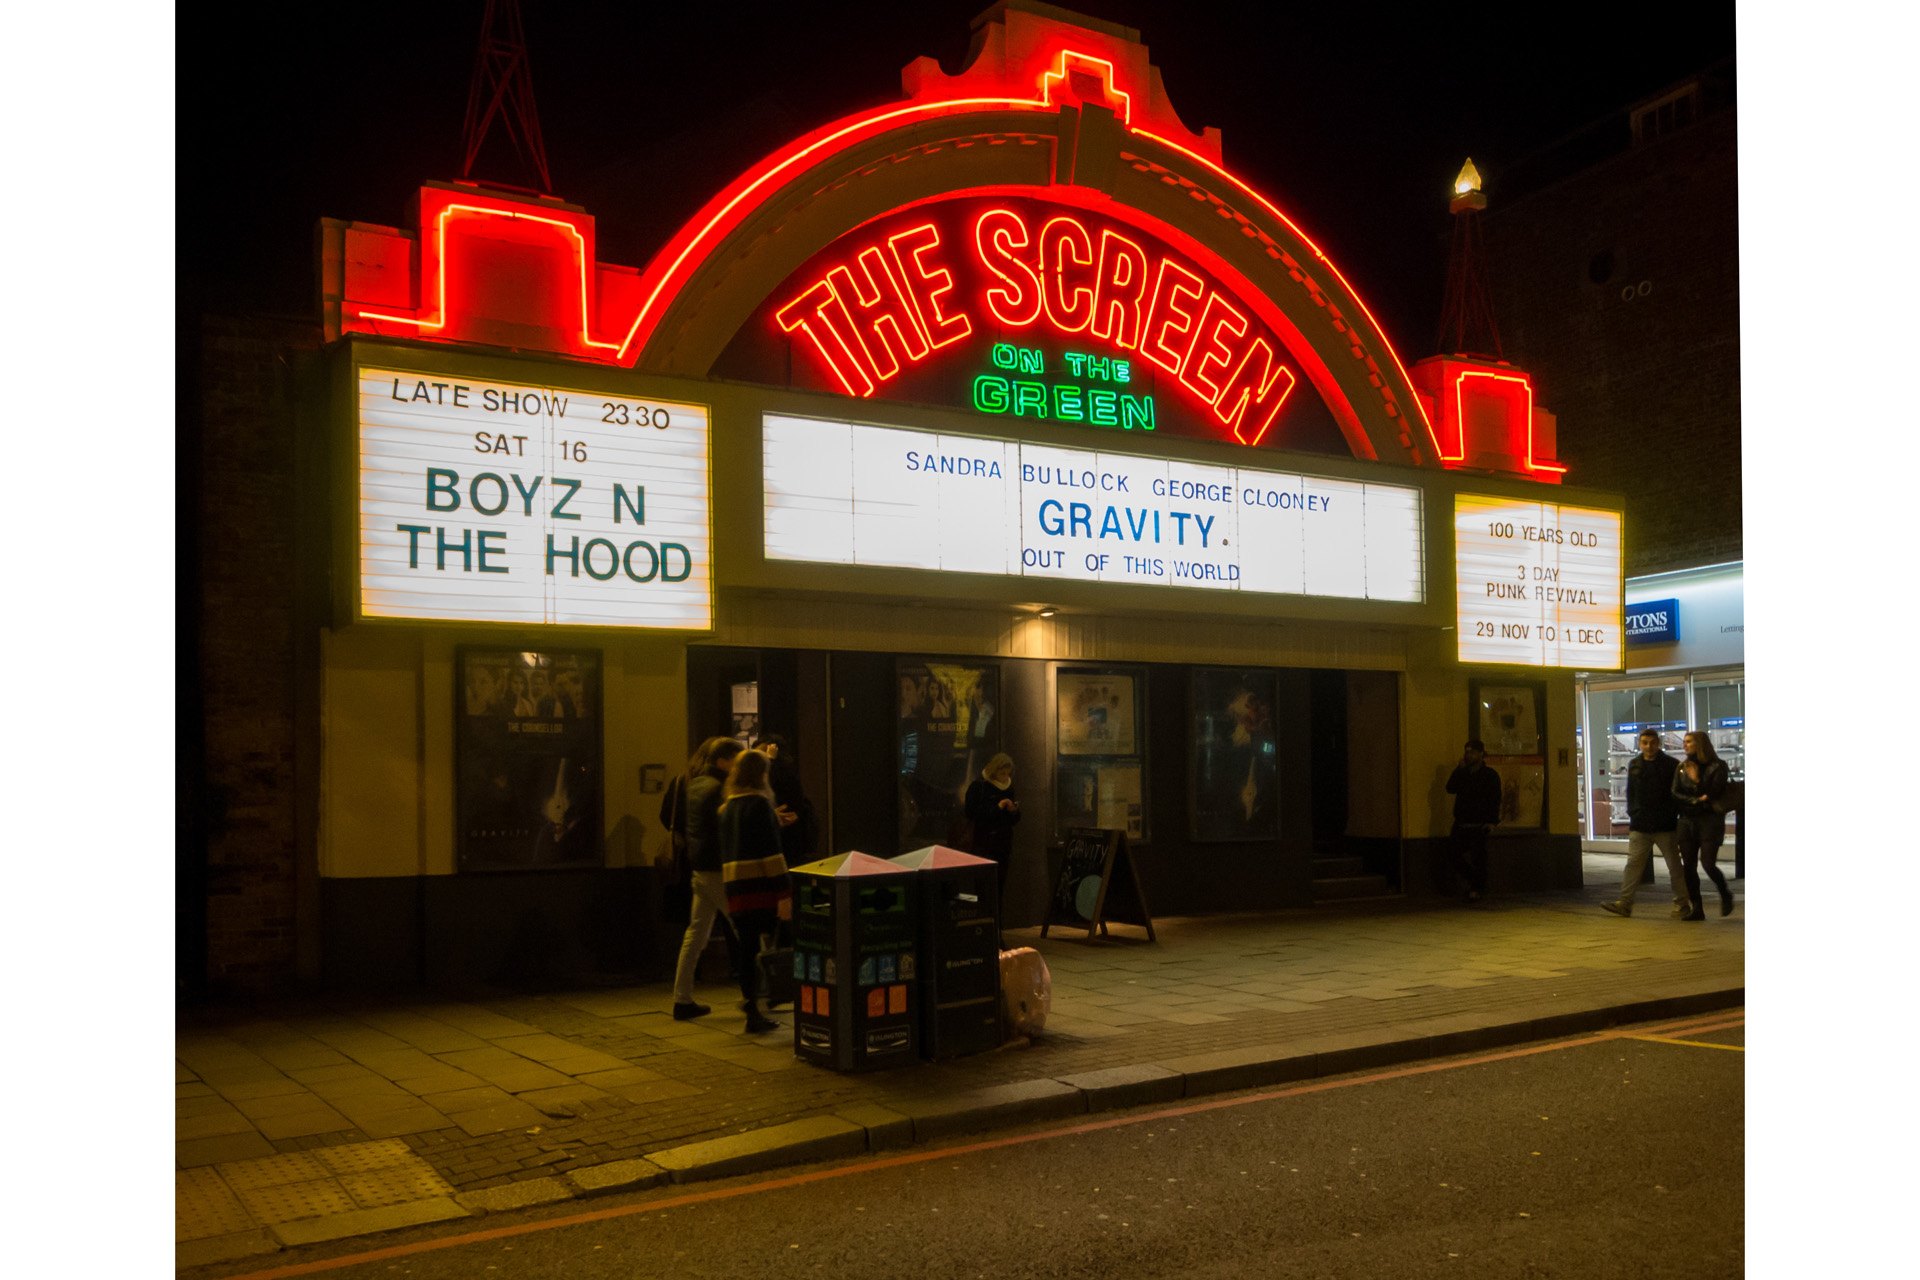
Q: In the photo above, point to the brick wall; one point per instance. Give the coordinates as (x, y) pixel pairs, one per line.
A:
(1646, 388)
(246, 646)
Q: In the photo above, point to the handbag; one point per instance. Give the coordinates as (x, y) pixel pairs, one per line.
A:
(1732, 798)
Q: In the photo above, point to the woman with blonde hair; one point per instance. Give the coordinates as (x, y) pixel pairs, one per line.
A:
(994, 810)
(754, 871)
(1700, 793)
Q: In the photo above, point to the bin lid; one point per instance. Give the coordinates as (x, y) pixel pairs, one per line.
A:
(843, 865)
(936, 856)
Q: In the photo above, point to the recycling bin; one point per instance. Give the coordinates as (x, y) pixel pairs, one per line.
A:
(855, 934)
(959, 943)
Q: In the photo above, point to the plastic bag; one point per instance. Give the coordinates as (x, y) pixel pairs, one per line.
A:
(1026, 992)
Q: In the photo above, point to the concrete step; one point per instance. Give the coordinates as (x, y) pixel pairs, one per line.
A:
(1333, 868)
(1350, 887)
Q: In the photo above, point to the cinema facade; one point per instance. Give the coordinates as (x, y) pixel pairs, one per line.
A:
(1001, 418)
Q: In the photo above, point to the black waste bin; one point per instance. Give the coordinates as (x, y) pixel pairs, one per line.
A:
(854, 940)
(959, 933)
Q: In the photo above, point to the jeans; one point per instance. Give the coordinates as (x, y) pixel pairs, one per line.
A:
(709, 904)
(1700, 836)
(1640, 847)
(1467, 854)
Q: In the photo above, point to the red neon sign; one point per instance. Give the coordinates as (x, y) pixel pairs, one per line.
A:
(868, 308)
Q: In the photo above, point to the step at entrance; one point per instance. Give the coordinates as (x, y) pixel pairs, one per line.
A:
(1334, 868)
(1341, 887)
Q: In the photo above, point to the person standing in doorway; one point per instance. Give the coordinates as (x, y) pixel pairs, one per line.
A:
(1475, 789)
(994, 810)
(755, 872)
(1700, 791)
(1651, 819)
(706, 774)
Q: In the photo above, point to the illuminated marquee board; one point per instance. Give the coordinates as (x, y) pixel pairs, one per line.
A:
(1027, 309)
(1539, 584)
(844, 494)
(503, 502)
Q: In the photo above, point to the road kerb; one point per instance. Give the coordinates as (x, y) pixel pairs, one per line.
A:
(797, 1142)
(1021, 1102)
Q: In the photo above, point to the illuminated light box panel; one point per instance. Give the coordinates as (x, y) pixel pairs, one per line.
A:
(1539, 584)
(837, 493)
(625, 480)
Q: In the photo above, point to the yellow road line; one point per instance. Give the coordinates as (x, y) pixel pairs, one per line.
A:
(1698, 1044)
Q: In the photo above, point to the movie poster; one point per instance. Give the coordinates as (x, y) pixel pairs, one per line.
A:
(527, 758)
(1507, 719)
(1096, 713)
(1235, 792)
(949, 729)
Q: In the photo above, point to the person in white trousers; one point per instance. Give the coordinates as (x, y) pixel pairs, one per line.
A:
(706, 774)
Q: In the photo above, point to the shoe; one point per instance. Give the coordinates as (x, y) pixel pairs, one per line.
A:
(1696, 916)
(1726, 902)
(681, 1012)
(1616, 908)
(758, 1023)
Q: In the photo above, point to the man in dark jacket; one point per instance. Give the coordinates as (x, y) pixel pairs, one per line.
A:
(1651, 819)
(1475, 789)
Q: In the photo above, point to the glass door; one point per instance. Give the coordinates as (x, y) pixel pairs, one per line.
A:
(1720, 709)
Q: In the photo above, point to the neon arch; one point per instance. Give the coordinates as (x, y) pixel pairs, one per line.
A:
(1093, 103)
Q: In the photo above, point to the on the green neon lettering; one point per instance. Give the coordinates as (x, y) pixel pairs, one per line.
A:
(1066, 402)
(1136, 411)
(990, 393)
(1100, 407)
(1029, 399)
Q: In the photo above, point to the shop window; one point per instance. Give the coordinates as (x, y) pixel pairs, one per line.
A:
(1618, 716)
(1100, 749)
(1721, 708)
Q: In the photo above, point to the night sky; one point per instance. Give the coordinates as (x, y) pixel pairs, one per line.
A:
(1352, 118)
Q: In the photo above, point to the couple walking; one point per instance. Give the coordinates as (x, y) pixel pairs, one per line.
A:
(732, 830)
(1680, 803)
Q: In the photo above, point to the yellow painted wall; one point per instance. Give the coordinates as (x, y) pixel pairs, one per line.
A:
(387, 783)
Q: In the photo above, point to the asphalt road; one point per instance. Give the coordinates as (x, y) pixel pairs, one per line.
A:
(1592, 1158)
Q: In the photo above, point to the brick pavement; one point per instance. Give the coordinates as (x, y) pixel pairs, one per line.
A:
(484, 1094)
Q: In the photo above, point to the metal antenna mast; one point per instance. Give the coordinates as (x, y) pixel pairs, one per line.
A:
(502, 89)
(1467, 316)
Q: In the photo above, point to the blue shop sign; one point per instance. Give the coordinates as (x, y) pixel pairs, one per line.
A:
(1655, 622)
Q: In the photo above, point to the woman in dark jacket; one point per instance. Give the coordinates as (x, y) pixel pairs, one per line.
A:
(1699, 791)
(754, 871)
(994, 811)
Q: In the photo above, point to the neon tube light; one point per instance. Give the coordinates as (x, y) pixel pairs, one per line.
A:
(440, 250)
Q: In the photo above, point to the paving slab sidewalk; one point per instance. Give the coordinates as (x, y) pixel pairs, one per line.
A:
(323, 1119)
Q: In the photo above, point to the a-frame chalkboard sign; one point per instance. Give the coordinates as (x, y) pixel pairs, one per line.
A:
(1097, 884)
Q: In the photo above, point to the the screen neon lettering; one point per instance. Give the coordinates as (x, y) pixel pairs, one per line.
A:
(1263, 393)
(1016, 301)
(819, 315)
(899, 300)
(1165, 310)
(1120, 284)
(885, 323)
(1209, 347)
(1062, 240)
(927, 285)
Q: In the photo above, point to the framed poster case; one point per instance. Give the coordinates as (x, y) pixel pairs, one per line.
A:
(527, 758)
(1510, 718)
